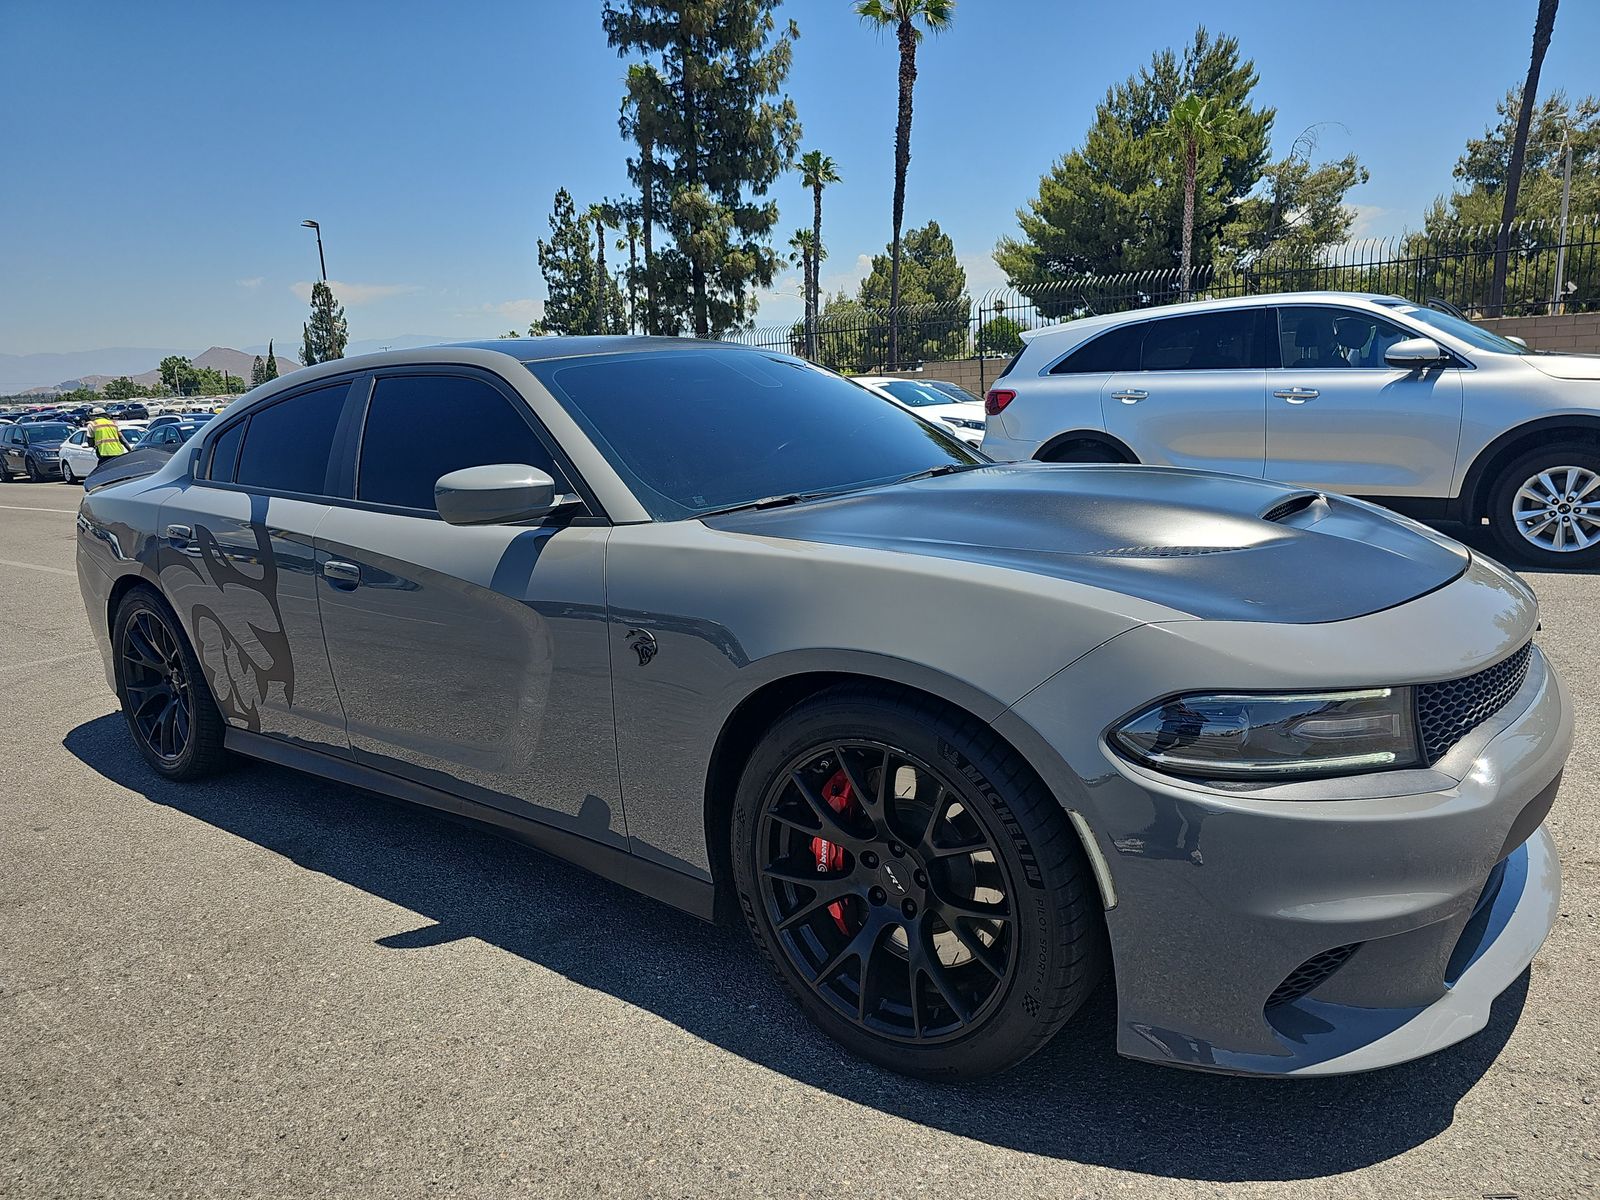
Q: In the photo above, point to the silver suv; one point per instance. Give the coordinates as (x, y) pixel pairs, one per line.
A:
(1372, 396)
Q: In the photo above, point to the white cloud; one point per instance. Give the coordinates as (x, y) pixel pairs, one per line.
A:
(519, 312)
(848, 280)
(982, 273)
(356, 293)
(254, 281)
(1373, 220)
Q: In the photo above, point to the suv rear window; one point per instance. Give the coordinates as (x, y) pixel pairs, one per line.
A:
(1229, 340)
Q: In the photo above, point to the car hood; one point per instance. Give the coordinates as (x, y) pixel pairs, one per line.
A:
(1216, 547)
(1567, 366)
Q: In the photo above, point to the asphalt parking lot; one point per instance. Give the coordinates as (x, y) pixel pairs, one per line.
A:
(276, 986)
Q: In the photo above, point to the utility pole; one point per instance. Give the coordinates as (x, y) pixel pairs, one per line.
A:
(1557, 301)
(323, 262)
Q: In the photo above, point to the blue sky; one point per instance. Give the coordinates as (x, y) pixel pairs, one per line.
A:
(157, 158)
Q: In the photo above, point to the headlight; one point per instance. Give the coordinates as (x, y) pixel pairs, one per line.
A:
(1275, 736)
(962, 422)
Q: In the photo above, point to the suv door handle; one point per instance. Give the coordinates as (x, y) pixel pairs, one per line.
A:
(1131, 396)
(341, 574)
(1297, 395)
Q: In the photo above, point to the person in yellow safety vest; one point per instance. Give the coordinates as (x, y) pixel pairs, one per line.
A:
(104, 435)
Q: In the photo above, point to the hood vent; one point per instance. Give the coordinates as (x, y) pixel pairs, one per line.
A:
(1291, 505)
(1157, 551)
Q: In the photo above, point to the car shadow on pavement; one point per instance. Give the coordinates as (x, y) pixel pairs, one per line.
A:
(1076, 1100)
(1482, 539)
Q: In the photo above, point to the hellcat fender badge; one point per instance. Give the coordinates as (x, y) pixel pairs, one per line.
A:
(643, 643)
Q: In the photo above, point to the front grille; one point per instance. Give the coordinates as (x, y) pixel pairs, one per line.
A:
(1310, 975)
(1448, 711)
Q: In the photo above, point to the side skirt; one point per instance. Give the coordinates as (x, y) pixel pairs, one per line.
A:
(694, 896)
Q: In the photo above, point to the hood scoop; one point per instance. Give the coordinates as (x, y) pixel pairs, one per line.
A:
(1219, 547)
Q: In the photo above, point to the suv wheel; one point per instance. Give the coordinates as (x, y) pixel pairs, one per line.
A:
(1545, 507)
(168, 706)
(913, 884)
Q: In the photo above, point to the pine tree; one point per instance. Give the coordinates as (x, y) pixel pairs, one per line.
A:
(707, 113)
(269, 369)
(326, 334)
(582, 298)
(257, 373)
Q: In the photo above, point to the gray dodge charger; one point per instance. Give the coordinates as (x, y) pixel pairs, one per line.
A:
(955, 740)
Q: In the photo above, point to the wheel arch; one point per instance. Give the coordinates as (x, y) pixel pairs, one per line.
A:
(762, 706)
(1089, 437)
(1478, 483)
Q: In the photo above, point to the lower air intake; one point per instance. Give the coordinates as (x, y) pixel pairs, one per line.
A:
(1310, 975)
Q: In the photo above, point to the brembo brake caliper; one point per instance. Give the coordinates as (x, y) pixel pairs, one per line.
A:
(838, 796)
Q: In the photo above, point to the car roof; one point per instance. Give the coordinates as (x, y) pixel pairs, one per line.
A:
(1092, 324)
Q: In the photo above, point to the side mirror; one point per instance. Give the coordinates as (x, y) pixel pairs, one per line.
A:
(1415, 354)
(1523, 342)
(502, 494)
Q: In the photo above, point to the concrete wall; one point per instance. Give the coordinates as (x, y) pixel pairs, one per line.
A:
(1572, 333)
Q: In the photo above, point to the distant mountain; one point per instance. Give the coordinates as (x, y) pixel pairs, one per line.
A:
(24, 372)
(18, 371)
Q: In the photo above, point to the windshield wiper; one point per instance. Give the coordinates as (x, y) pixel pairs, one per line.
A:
(941, 469)
(765, 502)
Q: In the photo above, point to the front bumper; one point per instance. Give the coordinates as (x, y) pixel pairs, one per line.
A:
(1219, 896)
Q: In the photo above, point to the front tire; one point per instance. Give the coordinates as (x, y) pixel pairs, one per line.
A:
(66, 472)
(165, 699)
(1545, 506)
(914, 884)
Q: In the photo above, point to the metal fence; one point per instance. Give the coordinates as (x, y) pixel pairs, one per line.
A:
(1546, 273)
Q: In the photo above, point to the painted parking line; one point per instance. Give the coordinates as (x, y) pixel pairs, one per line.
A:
(35, 508)
(6, 562)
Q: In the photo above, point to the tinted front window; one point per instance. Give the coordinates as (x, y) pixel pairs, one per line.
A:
(696, 430)
(420, 427)
(288, 444)
(45, 432)
(1312, 337)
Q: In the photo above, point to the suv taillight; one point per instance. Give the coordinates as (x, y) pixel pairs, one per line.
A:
(997, 399)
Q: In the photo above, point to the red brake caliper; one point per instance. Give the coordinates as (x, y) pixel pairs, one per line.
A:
(829, 856)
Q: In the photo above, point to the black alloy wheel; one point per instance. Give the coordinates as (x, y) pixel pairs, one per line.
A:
(168, 706)
(886, 893)
(913, 883)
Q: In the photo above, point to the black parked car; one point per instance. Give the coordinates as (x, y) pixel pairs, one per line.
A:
(32, 449)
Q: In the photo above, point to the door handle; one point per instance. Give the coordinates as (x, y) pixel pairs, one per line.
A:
(341, 574)
(1131, 396)
(1297, 395)
(179, 533)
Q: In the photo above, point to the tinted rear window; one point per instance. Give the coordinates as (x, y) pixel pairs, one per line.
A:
(287, 444)
(1114, 350)
(1217, 341)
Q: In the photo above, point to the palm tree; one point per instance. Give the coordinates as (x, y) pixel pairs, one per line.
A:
(803, 243)
(599, 216)
(935, 16)
(1543, 24)
(1193, 125)
(816, 172)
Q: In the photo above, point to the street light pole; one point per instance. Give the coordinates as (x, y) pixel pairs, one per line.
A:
(320, 259)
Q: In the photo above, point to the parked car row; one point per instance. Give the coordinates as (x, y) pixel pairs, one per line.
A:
(952, 738)
(41, 450)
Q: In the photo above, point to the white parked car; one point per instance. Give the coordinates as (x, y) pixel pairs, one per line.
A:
(77, 455)
(1372, 396)
(931, 401)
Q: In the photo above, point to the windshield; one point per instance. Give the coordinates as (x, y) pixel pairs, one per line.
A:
(695, 430)
(1465, 331)
(914, 394)
(42, 431)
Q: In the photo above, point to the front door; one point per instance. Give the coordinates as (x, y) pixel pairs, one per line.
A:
(1341, 419)
(1198, 397)
(471, 659)
(237, 560)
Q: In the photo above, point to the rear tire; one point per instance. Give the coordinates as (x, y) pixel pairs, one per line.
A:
(165, 699)
(955, 925)
(1532, 516)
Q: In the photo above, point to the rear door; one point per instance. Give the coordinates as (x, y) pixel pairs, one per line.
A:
(237, 560)
(471, 659)
(1340, 418)
(1198, 395)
